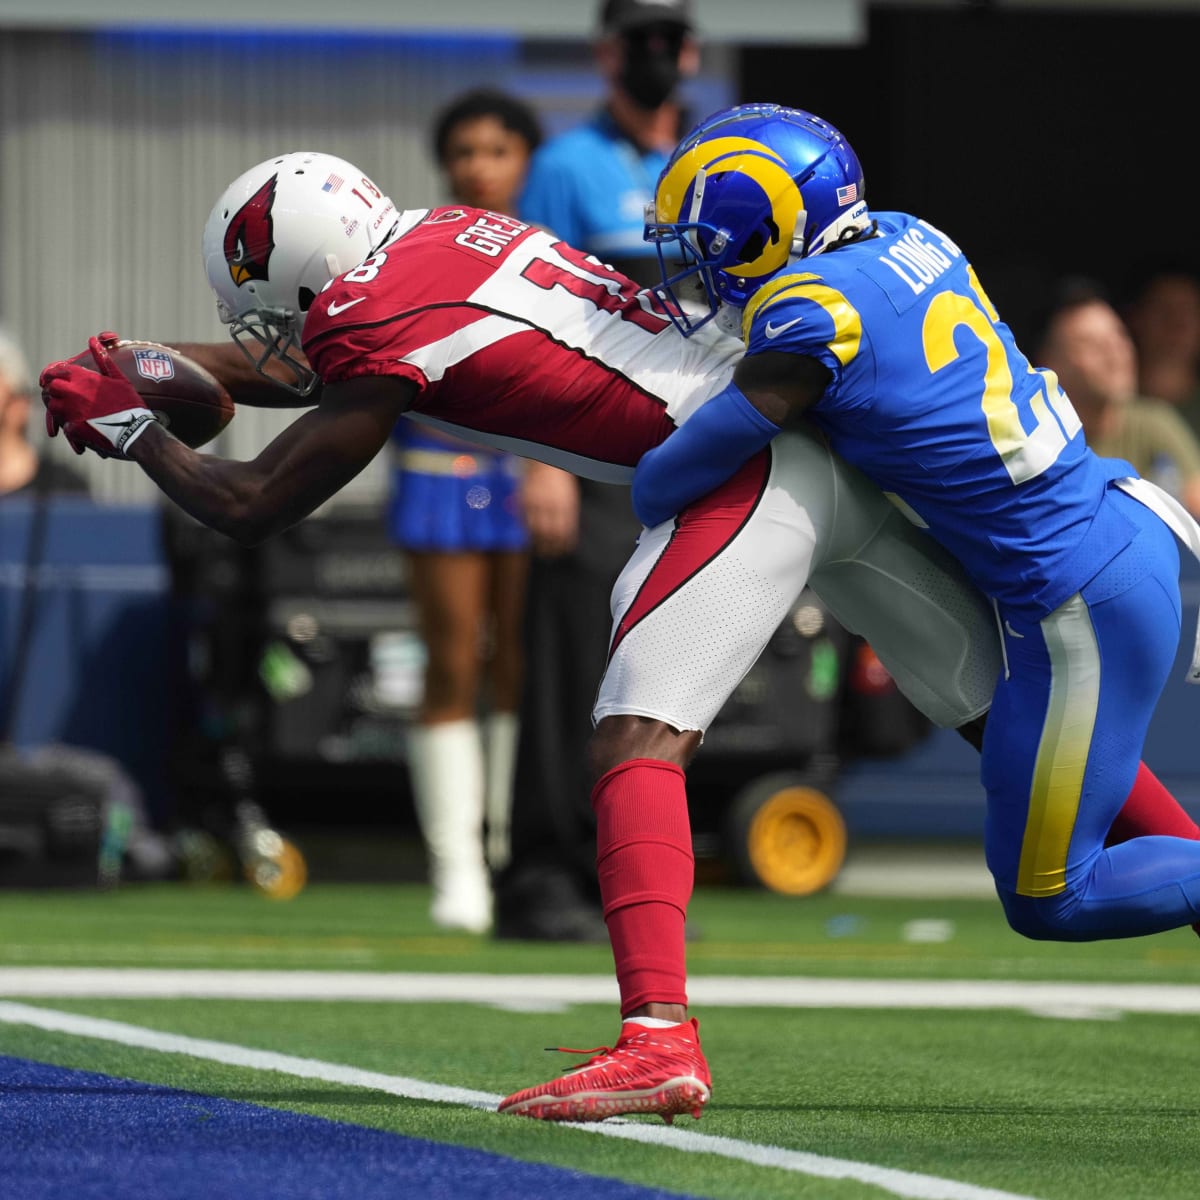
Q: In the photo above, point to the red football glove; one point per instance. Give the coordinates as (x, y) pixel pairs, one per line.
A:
(98, 410)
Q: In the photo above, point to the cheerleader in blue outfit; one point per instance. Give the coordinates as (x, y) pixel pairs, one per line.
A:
(455, 509)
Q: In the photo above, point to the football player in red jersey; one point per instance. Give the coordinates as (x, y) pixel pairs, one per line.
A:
(473, 322)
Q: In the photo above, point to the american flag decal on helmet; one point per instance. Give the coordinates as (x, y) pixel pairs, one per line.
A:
(332, 184)
(848, 194)
(154, 364)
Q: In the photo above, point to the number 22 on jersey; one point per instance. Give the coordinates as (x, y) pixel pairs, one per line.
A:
(1025, 454)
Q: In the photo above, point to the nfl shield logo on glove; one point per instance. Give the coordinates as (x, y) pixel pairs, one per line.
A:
(154, 364)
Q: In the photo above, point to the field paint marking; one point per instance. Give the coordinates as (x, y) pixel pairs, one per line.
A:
(909, 1184)
(549, 992)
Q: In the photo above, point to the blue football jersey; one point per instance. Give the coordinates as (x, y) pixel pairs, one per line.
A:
(933, 400)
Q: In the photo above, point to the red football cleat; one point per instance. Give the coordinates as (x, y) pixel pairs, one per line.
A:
(659, 1071)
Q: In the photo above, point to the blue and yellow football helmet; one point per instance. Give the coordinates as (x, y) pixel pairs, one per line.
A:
(747, 191)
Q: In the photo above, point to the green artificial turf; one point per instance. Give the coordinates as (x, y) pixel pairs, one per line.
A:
(1060, 1109)
(385, 928)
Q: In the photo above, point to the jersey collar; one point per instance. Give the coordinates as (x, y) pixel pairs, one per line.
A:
(407, 221)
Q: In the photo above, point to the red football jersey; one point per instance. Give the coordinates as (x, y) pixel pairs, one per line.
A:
(518, 341)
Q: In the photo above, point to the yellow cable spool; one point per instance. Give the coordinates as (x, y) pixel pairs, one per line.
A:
(276, 868)
(795, 839)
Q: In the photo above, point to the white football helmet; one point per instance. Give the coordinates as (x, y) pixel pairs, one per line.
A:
(276, 237)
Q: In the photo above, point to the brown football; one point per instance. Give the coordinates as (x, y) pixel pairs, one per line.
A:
(187, 399)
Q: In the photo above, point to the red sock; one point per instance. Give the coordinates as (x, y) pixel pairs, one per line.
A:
(1151, 810)
(646, 866)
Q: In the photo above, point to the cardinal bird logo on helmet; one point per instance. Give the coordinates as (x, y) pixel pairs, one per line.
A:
(250, 236)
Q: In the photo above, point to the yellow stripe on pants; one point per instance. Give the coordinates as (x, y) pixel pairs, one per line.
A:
(1063, 751)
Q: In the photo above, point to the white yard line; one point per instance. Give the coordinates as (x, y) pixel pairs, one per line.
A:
(551, 992)
(899, 1183)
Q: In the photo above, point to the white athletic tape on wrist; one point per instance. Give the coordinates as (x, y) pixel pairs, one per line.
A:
(123, 428)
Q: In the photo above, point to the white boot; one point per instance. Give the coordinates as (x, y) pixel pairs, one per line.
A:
(445, 764)
(500, 732)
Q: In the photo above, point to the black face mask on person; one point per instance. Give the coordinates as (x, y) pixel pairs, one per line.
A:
(651, 72)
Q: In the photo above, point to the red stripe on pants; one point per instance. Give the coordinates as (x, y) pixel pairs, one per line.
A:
(702, 531)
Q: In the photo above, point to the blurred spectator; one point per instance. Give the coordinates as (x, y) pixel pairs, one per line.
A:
(22, 468)
(1085, 342)
(454, 508)
(589, 186)
(24, 473)
(130, 847)
(483, 142)
(1162, 310)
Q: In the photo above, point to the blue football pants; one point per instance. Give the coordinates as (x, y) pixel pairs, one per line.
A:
(1062, 746)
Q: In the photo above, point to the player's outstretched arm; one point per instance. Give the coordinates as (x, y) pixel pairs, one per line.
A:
(306, 464)
(241, 379)
(312, 459)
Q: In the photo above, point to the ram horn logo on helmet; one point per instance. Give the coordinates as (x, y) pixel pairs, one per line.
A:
(250, 236)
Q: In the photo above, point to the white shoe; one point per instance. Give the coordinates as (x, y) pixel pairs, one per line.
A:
(446, 764)
(462, 900)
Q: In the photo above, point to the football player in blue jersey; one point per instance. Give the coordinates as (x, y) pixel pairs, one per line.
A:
(875, 327)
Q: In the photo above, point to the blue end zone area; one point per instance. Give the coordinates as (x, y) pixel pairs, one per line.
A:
(74, 1135)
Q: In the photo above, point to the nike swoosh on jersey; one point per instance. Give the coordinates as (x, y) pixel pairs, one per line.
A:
(773, 331)
(334, 308)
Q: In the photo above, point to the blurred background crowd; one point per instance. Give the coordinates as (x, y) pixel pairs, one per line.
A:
(420, 657)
